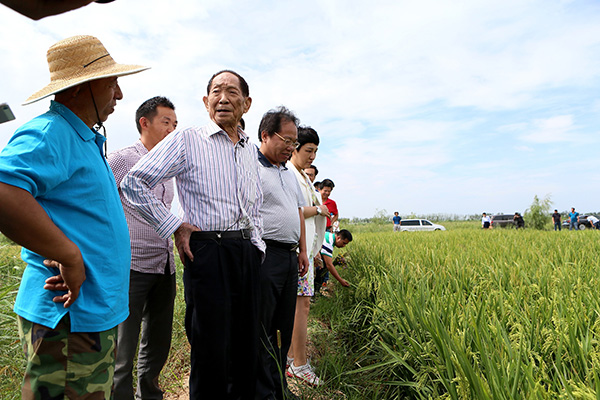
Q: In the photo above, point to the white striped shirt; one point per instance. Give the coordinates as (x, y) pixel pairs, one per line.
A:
(217, 182)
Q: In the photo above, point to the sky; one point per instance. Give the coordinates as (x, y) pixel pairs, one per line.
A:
(428, 107)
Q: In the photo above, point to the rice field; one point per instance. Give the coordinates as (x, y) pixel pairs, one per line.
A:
(461, 314)
(468, 314)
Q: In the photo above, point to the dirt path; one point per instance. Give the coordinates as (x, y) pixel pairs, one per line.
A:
(296, 386)
(183, 394)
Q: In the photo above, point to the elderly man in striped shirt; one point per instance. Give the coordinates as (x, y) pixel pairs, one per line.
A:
(284, 235)
(218, 238)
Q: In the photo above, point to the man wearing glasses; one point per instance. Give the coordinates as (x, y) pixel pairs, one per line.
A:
(283, 223)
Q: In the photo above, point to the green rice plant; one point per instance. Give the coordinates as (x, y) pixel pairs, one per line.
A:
(472, 314)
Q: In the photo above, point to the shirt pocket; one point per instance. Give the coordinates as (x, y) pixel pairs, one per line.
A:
(248, 181)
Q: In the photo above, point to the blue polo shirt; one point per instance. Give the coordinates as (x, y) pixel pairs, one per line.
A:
(573, 216)
(59, 160)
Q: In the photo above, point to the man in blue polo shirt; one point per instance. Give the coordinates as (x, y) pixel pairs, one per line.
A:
(573, 219)
(397, 221)
(59, 200)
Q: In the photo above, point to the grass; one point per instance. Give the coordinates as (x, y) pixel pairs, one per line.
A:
(175, 373)
(11, 268)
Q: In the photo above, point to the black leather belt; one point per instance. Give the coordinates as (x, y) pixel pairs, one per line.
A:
(281, 245)
(218, 235)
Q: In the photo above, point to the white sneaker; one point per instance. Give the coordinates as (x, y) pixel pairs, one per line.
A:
(289, 361)
(304, 372)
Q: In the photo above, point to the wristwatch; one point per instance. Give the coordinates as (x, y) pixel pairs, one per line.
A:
(319, 212)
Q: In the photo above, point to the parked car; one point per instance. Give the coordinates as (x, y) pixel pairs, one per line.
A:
(419, 225)
(503, 221)
(583, 223)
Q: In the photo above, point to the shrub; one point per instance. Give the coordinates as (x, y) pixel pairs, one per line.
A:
(538, 213)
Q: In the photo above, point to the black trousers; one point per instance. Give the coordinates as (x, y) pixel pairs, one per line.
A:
(151, 300)
(221, 319)
(278, 287)
(320, 276)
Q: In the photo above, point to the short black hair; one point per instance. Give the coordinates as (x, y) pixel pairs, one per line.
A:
(148, 109)
(344, 234)
(243, 84)
(306, 135)
(317, 185)
(242, 123)
(327, 183)
(271, 121)
(315, 168)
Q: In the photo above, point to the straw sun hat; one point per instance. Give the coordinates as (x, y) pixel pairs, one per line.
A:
(79, 59)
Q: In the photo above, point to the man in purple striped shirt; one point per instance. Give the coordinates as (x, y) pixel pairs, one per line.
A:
(218, 239)
(152, 275)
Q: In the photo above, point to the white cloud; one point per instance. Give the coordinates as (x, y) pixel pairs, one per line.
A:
(551, 130)
(527, 149)
(425, 104)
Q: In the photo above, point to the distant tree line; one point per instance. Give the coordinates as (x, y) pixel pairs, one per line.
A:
(537, 216)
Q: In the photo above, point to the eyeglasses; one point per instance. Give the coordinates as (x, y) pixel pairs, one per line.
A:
(288, 142)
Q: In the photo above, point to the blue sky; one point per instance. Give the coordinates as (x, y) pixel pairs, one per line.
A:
(424, 107)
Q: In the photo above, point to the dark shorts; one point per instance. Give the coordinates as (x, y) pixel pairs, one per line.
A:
(65, 364)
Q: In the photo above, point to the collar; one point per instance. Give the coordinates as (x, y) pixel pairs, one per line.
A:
(266, 163)
(302, 177)
(303, 180)
(84, 131)
(139, 146)
(213, 129)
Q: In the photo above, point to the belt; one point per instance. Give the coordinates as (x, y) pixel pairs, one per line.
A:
(281, 245)
(218, 235)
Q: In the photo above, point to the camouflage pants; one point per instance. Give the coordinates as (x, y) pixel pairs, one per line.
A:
(64, 364)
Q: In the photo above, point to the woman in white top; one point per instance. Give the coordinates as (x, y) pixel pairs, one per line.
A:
(315, 221)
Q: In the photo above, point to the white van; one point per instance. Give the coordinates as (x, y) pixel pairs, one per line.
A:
(419, 225)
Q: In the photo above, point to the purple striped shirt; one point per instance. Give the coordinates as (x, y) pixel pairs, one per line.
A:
(217, 182)
(149, 252)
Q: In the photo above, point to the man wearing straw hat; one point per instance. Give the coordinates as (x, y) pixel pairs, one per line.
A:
(58, 199)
